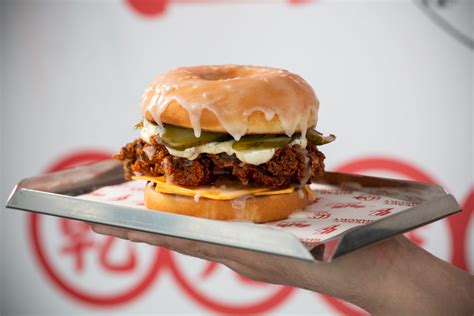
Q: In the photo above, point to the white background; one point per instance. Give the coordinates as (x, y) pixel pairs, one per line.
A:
(392, 83)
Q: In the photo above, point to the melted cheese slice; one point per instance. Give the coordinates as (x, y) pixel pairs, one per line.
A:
(224, 191)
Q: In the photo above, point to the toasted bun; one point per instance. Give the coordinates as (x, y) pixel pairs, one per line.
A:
(259, 209)
(232, 99)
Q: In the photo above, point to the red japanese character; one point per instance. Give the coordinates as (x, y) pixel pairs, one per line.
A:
(328, 229)
(80, 240)
(381, 212)
(128, 264)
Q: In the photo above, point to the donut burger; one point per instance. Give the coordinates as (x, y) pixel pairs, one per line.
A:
(227, 142)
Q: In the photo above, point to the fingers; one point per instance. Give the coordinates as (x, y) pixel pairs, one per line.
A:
(239, 260)
(183, 246)
(110, 230)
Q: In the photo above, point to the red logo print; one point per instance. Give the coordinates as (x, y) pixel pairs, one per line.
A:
(335, 191)
(148, 7)
(151, 8)
(346, 205)
(399, 203)
(198, 278)
(293, 224)
(212, 267)
(367, 197)
(84, 255)
(457, 224)
(79, 239)
(328, 229)
(72, 256)
(320, 215)
(381, 212)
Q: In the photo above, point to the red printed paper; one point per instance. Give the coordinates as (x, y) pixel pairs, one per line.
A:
(335, 211)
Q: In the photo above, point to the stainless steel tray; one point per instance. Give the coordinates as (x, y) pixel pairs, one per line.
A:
(54, 194)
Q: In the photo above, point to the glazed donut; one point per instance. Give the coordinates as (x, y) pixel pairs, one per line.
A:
(232, 99)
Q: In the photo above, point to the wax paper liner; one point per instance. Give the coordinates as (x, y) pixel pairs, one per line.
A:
(335, 211)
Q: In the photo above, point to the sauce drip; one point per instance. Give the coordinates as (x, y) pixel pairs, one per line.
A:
(233, 93)
(307, 168)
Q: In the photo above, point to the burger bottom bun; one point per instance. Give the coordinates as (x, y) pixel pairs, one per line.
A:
(258, 209)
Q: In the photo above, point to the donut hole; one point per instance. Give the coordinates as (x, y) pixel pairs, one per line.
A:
(222, 73)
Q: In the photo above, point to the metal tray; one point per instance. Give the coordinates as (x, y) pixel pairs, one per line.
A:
(54, 194)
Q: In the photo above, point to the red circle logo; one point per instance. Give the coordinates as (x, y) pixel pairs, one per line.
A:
(76, 242)
(148, 8)
(152, 8)
(83, 253)
(202, 281)
(80, 251)
(457, 223)
(73, 243)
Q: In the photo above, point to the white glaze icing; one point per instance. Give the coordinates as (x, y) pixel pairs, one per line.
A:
(148, 130)
(254, 157)
(233, 93)
(301, 194)
(197, 196)
(307, 168)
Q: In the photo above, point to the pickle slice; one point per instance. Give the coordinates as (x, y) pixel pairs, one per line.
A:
(256, 142)
(139, 125)
(180, 138)
(316, 138)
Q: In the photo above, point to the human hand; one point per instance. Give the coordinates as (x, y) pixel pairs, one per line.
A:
(388, 277)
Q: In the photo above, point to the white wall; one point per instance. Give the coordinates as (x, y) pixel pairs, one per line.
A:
(392, 84)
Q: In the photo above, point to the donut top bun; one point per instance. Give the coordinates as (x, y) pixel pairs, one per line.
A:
(232, 99)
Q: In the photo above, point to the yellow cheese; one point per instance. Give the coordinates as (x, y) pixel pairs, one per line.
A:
(226, 191)
(275, 192)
